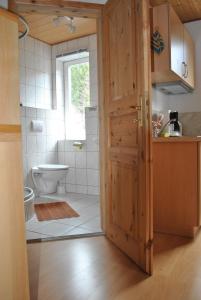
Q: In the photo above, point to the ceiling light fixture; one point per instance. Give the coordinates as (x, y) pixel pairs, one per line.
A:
(59, 20)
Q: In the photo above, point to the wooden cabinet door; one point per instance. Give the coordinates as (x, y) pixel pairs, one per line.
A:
(126, 53)
(189, 59)
(176, 36)
(13, 260)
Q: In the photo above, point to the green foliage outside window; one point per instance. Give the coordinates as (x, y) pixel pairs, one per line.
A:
(80, 86)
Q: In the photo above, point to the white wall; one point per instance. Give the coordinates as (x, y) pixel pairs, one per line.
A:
(40, 147)
(36, 94)
(35, 73)
(189, 102)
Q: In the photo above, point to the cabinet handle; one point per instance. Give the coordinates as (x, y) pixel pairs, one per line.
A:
(186, 74)
(184, 69)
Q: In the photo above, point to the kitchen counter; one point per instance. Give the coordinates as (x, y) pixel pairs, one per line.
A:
(177, 139)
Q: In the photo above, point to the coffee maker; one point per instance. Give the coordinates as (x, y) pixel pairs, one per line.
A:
(174, 126)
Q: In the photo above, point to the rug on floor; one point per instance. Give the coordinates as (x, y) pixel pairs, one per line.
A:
(54, 211)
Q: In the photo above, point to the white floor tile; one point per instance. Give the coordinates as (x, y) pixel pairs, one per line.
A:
(30, 235)
(55, 229)
(87, 206)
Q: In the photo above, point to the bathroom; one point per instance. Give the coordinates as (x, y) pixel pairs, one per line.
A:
(59, 130)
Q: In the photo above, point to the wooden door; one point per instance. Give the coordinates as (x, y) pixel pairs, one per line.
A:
(126, 73)
(189, 59)
(176, 32)
(13, 260)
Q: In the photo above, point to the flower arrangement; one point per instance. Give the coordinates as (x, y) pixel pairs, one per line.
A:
(157, 123)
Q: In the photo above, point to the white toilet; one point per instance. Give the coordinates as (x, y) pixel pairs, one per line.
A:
(28, 203)
(47, 177)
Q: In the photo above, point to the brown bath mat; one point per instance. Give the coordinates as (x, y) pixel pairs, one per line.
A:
(54, 211)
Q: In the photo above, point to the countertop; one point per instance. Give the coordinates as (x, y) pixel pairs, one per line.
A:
(177, 139)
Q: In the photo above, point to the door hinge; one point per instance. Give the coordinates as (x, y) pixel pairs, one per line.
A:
(149, 244)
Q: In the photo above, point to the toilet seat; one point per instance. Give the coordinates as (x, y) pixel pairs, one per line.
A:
(28, 193)
(52, 167)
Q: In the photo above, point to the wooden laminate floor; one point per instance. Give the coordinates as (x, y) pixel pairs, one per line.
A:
(93, 269)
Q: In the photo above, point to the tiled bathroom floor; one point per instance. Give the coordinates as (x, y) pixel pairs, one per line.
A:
(87, 206)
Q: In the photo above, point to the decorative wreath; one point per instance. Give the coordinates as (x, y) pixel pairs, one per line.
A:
(157, 43)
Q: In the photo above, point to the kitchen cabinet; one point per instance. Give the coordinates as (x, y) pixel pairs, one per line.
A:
(176, 62)
(189, 58)
(176, 46)
(176, 185)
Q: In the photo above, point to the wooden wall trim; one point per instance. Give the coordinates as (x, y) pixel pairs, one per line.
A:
(4, 128)
(8, 14)
(56, 7)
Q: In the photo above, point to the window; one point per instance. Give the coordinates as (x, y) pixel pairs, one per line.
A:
(77, 96)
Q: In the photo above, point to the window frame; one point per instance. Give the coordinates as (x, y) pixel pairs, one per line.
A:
(66, 66)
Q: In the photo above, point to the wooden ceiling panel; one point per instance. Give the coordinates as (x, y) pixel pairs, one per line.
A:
(188, 10)
(42, 28)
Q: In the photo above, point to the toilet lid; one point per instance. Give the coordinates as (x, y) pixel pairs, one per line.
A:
(53, 167)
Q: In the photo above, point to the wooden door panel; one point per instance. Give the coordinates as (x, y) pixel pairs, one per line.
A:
(126, 81)
(124, 130)
(124, 197)
(122, 50)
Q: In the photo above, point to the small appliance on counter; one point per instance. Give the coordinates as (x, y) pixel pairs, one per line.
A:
(174, 126)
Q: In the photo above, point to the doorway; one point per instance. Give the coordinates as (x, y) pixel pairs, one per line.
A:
(59, 93)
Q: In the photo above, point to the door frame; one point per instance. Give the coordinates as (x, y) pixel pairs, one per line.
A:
(90, 10)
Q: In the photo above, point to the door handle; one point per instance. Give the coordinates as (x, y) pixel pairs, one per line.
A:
(139, 109)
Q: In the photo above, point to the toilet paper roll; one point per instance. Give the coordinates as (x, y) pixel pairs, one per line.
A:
(37, 126)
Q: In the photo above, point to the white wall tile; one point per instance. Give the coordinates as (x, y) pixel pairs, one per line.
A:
(93, 190)
(92, 125)
(81, 189)
(61, 147)
(22, 93)
(41, 144)
(81, 176)
(70, 188)
(93, 177)
(51, 141)
(36, 57)
(61, 158)
(92, 142)
(70, 178)
(22, 75)
(30, 96)
(80, 160)
(93, 160)
(70, 159)
(31, 144)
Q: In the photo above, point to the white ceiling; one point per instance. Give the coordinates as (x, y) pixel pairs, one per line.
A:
(93, 1)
